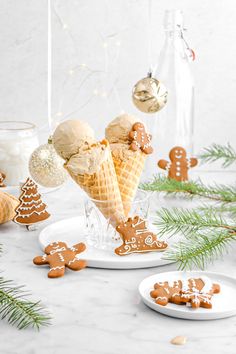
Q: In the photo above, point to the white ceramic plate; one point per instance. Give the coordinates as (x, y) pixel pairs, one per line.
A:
(72, 230)
(223, 304)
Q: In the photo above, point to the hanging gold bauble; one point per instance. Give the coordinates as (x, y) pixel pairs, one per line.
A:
(46, 167)
(149, 95)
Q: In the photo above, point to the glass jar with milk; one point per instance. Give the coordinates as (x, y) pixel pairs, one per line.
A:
(17, 141)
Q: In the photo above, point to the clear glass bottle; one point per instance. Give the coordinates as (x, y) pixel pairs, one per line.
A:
(173, 125)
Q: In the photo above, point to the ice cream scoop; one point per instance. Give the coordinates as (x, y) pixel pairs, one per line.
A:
(118, 130)
(88, 161)
(72, 136)
(90, 165)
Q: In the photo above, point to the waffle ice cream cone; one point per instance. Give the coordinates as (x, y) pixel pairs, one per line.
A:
(129, 166)
(128, 156)
(100, 184)
(8, 203)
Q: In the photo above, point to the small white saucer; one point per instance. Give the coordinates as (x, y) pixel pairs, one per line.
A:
(223, 304)
(73, 231)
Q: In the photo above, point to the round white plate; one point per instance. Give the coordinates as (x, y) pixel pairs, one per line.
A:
(223, 304)
(73, 231)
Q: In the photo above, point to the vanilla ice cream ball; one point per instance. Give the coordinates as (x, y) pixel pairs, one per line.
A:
(71, 136)
(118, 130)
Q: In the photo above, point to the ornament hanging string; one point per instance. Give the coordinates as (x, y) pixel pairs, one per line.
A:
(152, 68)
(49, 77)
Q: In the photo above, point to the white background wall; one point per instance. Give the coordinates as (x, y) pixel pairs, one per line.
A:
(80, 29)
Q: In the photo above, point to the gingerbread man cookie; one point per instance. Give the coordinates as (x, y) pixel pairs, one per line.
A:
(195, 292)
(165, 292)
(137, 238)
(178, 165)
(140, 139)
(59, 256)
(2, 177)
(198, 292)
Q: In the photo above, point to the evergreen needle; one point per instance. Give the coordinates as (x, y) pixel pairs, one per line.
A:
(221, 193)
(219, 152)
(18, 310)
(200, 249)
(172, 221)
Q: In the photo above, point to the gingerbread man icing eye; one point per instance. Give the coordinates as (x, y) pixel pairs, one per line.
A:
(140, 139)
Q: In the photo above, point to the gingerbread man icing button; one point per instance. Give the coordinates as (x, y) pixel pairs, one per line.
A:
(178, 165)
(59, 256)
(140, 139)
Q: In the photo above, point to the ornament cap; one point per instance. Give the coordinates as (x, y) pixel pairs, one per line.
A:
(50, 139)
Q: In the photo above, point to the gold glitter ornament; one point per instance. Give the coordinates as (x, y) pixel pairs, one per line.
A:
(46, 167)
(149, 95)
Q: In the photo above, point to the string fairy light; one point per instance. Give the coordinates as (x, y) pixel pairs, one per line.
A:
(83, 67)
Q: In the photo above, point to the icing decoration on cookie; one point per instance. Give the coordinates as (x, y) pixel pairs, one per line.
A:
(31, 209)
(165, 292)
(59, 256)
(199, 292)
(178, 165)
(2, 177)
(193, 292)
(140, 139)
(137, 238)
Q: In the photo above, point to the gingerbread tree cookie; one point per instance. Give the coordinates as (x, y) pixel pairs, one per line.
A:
(137, 238)
(178, 165)
(140, 139)
(59, 256)
(31, 209)
(2, 177)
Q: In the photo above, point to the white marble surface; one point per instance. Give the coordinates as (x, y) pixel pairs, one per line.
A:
(99, 311)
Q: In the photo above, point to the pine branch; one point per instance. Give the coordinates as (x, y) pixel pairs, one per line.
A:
(221, 193)
(18, 310)
(219, 152)
(172, 221)
(200, 250)
(228, 209)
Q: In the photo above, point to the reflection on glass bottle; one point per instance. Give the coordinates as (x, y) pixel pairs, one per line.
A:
(174, 124)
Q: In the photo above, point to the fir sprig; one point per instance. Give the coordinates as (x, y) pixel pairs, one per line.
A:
(18, 310)
(221, 193)
(200, 249)
(227, 209)
(206, 235)
(219, 152)
(172, 221)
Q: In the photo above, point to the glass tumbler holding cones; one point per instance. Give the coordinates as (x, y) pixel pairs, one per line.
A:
(99, 231)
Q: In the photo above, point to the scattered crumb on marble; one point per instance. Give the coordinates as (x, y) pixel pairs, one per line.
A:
(179, 340)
